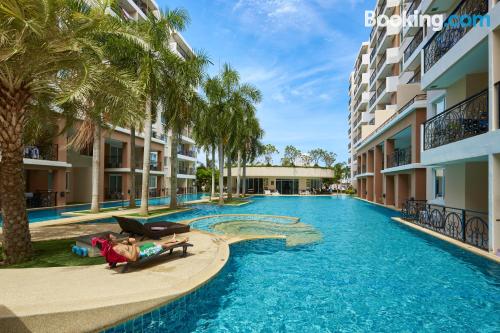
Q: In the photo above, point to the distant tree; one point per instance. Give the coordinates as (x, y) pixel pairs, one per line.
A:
(305, 159)
(316, 155)
(338, 171)
(329, 158)
(204, 178)
(290, 156)
(269, 150)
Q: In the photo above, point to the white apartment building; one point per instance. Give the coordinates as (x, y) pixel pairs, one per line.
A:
(446, 157)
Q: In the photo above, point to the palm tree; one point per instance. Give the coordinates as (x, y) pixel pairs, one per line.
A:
(181, 102)
(45, 47)
(204, 133)
(252, 146)
(228, 98)
(156, 31)
(112, 101)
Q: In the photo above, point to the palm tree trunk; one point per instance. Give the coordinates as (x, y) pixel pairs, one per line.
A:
(238, 177)
(132, 168)
(212, 194)
(146, 160)
(221, 173)
(229, 178)
(16, 233)
(244, 177)
(173, 170)
(96, 162)
(207, 160)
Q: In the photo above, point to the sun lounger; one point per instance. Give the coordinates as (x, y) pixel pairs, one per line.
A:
(267, 192)
(153, 230)
(150, 259)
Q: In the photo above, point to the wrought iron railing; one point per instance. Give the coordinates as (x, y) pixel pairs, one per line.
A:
(414, 44)
(452, 32)
(465, 225)
(39, 199)
(42, 152)
(464, 120)
(399, 157)
(190, 153)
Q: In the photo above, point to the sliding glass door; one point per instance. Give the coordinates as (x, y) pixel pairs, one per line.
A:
(287, 186)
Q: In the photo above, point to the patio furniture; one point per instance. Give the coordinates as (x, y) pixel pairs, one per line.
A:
(158, 256)
(153, 230)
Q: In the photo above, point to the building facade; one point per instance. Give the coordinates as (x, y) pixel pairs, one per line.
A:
(283, 180)
(56, 175)
(432, 147)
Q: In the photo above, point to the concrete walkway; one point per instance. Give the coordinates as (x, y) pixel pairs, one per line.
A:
(90, 298)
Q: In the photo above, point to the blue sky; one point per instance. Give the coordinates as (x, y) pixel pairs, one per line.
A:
(299, 53)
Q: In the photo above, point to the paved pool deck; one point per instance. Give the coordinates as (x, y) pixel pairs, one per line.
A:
(92, 298)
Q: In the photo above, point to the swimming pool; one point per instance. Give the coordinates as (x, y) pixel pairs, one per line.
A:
(45, 214)
(367, 274)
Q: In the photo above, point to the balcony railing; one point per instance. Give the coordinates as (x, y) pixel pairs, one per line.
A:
(414, 5)
(453, 31)
(416, 78)
(414, 44)
(186, 171)
(373, 98)
(114, 163)
(381, 89)
(373, 53)
(464, 120)
(465, 225)
(374, 74)
(363, 168)
(39, 199)
(190, 153)
(381, 7)
(399, 157)
(381, 62)
(42, 152)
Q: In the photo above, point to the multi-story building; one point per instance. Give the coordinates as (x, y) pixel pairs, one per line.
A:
(57, 175)
(435, 133)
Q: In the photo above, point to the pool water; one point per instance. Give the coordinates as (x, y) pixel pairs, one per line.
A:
(45, 214)
(367, 274)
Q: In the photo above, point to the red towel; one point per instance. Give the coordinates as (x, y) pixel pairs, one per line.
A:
(112, 258)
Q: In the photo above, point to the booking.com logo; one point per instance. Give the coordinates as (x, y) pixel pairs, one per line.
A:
(435, 22)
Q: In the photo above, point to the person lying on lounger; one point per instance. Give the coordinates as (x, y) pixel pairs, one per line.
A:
(129, 251)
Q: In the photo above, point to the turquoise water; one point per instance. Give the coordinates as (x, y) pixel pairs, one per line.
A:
(45, 214)
(368, 274)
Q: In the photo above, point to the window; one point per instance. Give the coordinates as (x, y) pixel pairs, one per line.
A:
(440, 106)
(115, 184)
(115, 157)
(439, 183)
(152, 181)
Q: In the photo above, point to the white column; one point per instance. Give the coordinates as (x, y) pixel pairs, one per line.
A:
(494, 202)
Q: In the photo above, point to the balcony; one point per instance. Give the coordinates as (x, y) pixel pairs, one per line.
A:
(381, 89)
(113, 163)
(190, 153)
(373, 98)
(414, 45)
(414, 5)
(399, 157)
(444, 40)
(42, 152)
(467, 226)
(187, 171)
(464, 120)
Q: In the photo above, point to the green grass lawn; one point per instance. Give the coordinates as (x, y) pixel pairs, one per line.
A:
(55, 253)
(158, 212)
